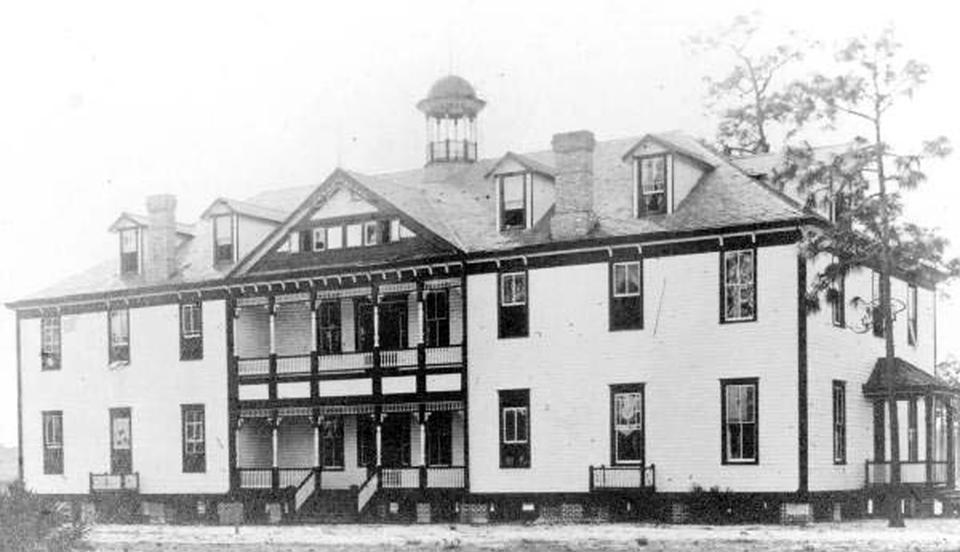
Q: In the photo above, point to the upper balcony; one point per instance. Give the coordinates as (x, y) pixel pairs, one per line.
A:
(351, 330)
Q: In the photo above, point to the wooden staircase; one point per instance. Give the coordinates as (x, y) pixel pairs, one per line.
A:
(329, 506)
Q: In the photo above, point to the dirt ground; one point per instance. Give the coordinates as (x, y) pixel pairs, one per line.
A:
(870, 536)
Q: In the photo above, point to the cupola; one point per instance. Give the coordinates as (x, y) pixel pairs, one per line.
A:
(451, 109)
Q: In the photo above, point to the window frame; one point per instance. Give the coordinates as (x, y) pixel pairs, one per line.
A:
(839, 400)
(348, 230)
(516, 311)
(627, 389)
(436, 320)
(53, 450)
(191, 340)
(332, 448)
(640, 206)
(838, 314)
(912, 314)
(193, 461)
(321, 233)
(219, 259)
(112, 348)
(366, 429)
(625, 309)
(137, 252)
(525, 185)
(724, 318)
(514, 401)
(51, 343)
(726, 459)
(329, 336)
(439, 436)
(377, 233)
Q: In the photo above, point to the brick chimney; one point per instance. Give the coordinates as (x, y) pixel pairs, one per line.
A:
(573, 215)
(160, 260)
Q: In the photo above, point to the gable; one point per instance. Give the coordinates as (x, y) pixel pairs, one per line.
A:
(343, 203)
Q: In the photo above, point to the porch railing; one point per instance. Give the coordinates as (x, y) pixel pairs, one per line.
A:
(368, 490)
(254, 366)
(400, 478)
(293, 364)
(622, 477)
(256, 478)
(398, 358)
(106, 482)
(444, 356)
(346, 361)
(292, 477)
(911, 473)
(445, 477)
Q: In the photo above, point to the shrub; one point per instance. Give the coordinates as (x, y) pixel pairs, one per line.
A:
(31, 523)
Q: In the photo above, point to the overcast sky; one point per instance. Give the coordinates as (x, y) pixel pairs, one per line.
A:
(103, 104)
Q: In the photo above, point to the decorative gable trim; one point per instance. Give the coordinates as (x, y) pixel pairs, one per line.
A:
(225, 206)
(127, 221)
(525, 162)
(669, 146)
(339, 179)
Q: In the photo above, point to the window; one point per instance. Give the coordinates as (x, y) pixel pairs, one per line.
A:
(739, 289)
(839, 422)
(191, 331)
(513, 201)
(626, 297)
(335, 237)
(366, 441)
(53, 442)
(652, 189)
(739, 409)
(515, 428)
(130, 251)
(194, 438)
(328, 328)
(913, 445)
(331, 442)
(439, 439)
(121, 441)
(50, 343)
(371, 233)
(627, 423)
(513, 312)
(875, 311)
(319, 239)
(223, 239)
(436, 312)
(838, 301)
(119, 329)
(354, 235)
(912, 315)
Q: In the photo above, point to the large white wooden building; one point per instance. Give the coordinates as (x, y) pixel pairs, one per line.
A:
(599, 329)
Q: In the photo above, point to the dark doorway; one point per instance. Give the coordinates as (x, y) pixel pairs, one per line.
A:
(393, 322)
(395, 440)
(363, 316)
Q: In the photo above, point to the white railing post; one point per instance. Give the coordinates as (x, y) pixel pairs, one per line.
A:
(275, 429)
(379, 443)
(316, 443)
(273, 327)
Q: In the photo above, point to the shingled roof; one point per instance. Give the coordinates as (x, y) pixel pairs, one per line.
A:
(906, 379)
(458, 205)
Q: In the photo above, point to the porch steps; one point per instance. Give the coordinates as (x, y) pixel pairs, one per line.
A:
(330, 506)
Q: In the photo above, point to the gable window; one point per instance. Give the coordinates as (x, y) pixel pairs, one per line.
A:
(372, 233)
(50, 343)
(838, 301)
(652, 185)
(334, 237)
(439, 439)
(912, 315)
(354, 235)
(513, 201)
(876, 313)
(515, 428)
(436, 312)
(331, 442)
(191, 331)
(130, 251)
(119, 331)
(223, 239)
(739, 424)
(194, 438)
(328, 328)
(513, 312)
(627, 423)
(319, 239)
(626, 297)
(53, 442)
(839, 422)
(739, 289)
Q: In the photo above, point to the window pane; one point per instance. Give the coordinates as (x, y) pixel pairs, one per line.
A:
(121, 433)
(334, 237)
(354, 235)
(319, 239)
(746, 266)
(223, 230)
(520, 288)
(128, 241)
(522, 425)
(371, 233)
(509, 425)
(513, 192)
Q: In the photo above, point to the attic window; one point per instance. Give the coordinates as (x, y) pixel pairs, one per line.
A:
(652, 185)
(223, 239)
(130, 251)
(513, 201)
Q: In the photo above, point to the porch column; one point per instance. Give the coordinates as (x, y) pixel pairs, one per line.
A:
(316, 441)
(237, 462)
(951, 450)
(379, 440)
(376, 317)
(928, 436)
(275, 430)
(421, 321)
(313, 326)
(423, 438)
(272, 306)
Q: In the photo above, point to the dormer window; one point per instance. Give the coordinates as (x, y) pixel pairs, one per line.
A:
(130, 251)
(513, 201)
(223, 239)
(652, 185)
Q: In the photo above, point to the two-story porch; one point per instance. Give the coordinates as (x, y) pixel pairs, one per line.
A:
(927, 436)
